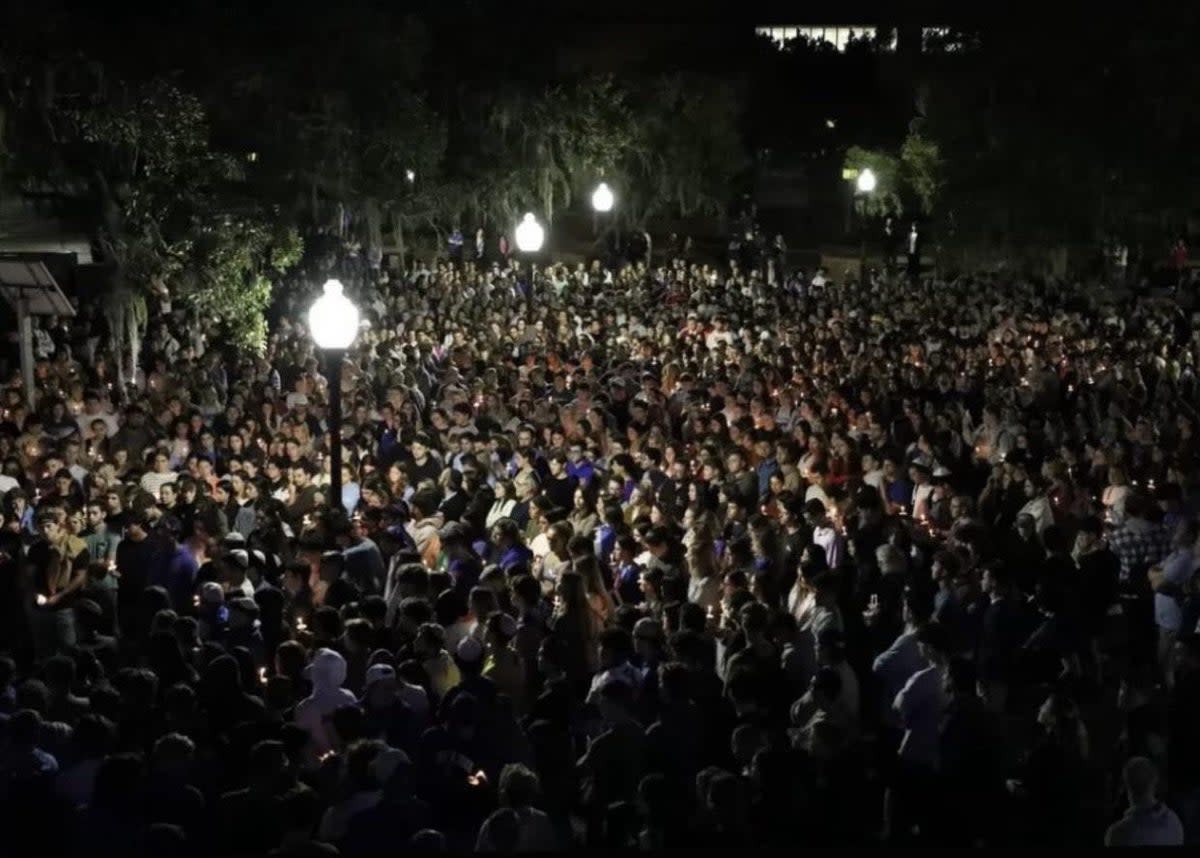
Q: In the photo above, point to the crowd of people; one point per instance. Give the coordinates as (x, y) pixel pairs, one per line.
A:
(667, 555)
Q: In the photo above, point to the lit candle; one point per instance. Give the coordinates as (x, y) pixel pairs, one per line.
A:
(41, 600)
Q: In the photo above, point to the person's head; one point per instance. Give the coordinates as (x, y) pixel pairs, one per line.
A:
(747, 740)
(814, 512)
(173, 755)
(49, 527)
(519, 787)
(572, 590)
(428, 840)
(648, 640)
(1141, 782)
(934, 642)
(268, 765)
(1088, 537)
(826, 687)
(996, 580)
(430, 640)
(961, 678)
(616, 647)
(616, 700)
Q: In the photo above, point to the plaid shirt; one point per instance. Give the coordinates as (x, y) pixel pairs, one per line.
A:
(1139, 545)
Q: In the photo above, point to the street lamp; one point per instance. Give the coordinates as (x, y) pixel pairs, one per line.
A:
(602, 204)
(865, 185)
(333, 323)
(602, 198)
(530, 237)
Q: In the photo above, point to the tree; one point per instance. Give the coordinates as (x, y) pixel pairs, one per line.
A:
(1051, 141)
(885, 199)
(907, 182)
(170, 211)
(687, 149)
(922, 170)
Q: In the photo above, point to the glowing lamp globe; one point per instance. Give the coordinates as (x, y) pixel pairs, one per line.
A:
(333, 318)
(530, 234)
(602, 198)
(866, 181)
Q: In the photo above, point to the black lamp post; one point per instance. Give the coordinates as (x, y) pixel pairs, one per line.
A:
(865, 185)
(333, 323)
(530, 237)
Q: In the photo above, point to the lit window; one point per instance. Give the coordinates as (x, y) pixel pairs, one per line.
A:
(837, 37)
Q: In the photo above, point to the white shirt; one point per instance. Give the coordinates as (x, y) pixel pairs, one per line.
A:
(1157, 825)
(152, 481)
(1177, 570)
(85, 421)
(895, 666)
(920, 704)
(922, 498)
(713, 337)
(818, 493)
(849, 698)
(623, 672)
(830, 540)
(500, 509)
(535, 833)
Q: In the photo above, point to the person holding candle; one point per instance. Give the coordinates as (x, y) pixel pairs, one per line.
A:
(59, 561)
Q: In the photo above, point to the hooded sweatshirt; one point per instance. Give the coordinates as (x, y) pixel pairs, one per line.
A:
(315, 713)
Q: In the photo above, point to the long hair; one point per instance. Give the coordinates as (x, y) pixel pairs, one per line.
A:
(588, 568)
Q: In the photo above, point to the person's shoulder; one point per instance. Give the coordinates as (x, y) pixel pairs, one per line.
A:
(1120, 832)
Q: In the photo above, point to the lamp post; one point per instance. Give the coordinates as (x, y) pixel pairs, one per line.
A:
(864, 185)
(602, 203)
(530, 237)
(333, 323)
